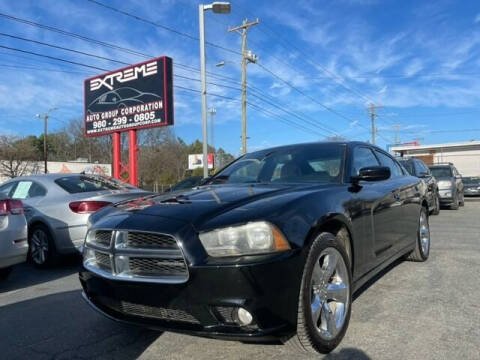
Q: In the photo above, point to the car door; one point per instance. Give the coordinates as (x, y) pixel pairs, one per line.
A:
(424, 173)
(407, 193)
(389, 231)
(458, 180)
(375, 199)
(31, 193)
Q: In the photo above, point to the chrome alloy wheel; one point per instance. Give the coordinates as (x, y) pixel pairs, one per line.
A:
(330, 293)
(39, 247)
(424, 233)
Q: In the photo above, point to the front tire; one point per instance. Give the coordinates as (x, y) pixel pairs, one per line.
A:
(42, 250)
(324, 303)
(422, 245)
(436, 206)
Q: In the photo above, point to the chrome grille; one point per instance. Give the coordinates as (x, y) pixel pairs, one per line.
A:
(150, 241)
(103, 237)
(156, 266)
(157, 312)
(103, 261)
(136, 256)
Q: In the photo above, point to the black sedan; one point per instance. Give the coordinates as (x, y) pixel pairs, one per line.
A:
(418, 168)
(273, 246)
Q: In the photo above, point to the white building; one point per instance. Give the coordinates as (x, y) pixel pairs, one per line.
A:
(464, 155)
(65, 167)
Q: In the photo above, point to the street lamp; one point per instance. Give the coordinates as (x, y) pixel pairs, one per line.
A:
(218, 8)
(45, 118)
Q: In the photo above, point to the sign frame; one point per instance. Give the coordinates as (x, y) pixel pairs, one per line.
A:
(168, 101)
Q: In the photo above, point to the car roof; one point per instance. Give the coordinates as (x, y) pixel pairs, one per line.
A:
(306, 144)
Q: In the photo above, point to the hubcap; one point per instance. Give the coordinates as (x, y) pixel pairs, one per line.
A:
(330, 293)
(39, 247)
(424, 233)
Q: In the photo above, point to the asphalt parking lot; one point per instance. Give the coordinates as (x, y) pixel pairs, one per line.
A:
(412, 311)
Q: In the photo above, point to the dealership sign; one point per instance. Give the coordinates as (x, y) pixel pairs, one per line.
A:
(195, 161)
(136, 97)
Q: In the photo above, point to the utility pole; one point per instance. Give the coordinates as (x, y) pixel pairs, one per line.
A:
(396, 128)
(372, 108)
(45, 154)
(212, 113)
(247, 57)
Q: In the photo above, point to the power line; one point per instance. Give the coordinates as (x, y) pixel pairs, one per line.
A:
(42, 69)
(161, 26)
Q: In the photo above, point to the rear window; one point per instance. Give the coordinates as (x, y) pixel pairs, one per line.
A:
(82, 184)
(471, 180)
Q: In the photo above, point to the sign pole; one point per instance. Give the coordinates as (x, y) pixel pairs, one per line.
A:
(117, 155)
(132, 161)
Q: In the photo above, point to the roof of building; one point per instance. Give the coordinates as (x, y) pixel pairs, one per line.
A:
(434, 146)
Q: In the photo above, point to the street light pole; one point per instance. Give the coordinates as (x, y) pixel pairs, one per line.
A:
(219, 8)
(45, 153)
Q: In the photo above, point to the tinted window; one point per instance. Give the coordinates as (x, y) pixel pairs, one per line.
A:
(6, 189)
(386, 160)
(362, 157)
(407, 164)
(319, 163)
(441, 171)
(82, 183)
(466, 180)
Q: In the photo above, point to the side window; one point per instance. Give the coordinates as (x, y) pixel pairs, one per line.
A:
(418, 167)
(386, 160)
(362, 157)
(5, 190)
(27, 190)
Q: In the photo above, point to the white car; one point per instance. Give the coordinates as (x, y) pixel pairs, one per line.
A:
(13, 235)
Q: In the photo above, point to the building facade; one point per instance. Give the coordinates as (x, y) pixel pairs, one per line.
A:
(464, 155)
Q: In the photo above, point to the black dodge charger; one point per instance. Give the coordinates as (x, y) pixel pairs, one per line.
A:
(273, 246)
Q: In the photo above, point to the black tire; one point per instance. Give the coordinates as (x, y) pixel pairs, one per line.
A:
(461, 201)
(5, 272)
(307, 338)
(455, 204)
(50, 253)
(436, 206)
(420, 254)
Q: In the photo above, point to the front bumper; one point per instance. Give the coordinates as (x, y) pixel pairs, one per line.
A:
(446, 195)
(268, 290)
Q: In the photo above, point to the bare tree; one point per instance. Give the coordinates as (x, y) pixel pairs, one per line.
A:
(17, 156)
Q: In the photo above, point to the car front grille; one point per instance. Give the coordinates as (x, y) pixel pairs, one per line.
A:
(157, 312)
(150, 241)
(138, 256)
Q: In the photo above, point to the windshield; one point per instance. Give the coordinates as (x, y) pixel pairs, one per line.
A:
(441, 171)
(471, 180)
(318, 163)
(83, 183)
(408, 166)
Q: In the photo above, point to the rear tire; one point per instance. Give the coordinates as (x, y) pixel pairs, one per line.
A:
(422, 245)
(5, 272)
(41, 250)
(325, 298)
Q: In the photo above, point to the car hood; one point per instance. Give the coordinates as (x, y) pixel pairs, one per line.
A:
(202, 204)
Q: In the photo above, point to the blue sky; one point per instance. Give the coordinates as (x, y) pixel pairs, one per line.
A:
(419, 60)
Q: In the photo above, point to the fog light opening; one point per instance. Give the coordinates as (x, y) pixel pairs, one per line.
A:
(244, 318)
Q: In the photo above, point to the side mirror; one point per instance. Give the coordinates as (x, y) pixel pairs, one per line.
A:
(372, 173)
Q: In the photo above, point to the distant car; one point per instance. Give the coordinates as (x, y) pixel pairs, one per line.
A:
(417, 167)
(450, 185)
(187, 183)
(13, 236)
(471, 185)
(57, 207)
(122, 97)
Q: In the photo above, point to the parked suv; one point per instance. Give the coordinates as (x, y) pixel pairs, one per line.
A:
(472, 185)
(450, 184)
(417, 167)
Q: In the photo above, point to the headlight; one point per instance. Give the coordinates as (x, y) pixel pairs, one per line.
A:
(444, 183)
(252, 238)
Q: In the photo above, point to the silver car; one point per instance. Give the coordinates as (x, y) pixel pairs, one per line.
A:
(57, 207)
(13, 235)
